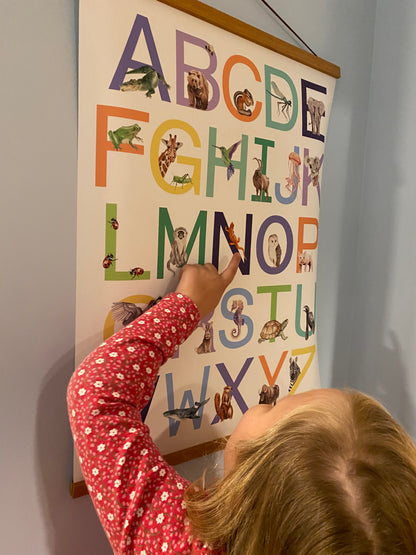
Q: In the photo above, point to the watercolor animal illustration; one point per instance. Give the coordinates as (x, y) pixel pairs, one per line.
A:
(242, 101)
(310, 321)
(168, 156)
(226, 155)
(185, 178)
(147, 83)
(272, 329)
(190, 412)
(223, 404)
(197, 90)
(292, 182)
(114, 223)
(178, 254)
(127, 312)
(282, 101)
(260, 181)
(317, 110)
(269, 394)
(314, 165)
(294, 372)
(210, 49)
(234, 240)
(274, 250)
(206, 346)
(136, 272)
(124, 135)
(305, 261)
(108, 260)
(237, 307)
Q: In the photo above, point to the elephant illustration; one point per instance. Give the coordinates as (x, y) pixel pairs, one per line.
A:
(317, 110)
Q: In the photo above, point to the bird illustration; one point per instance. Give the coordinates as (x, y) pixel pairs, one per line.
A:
(226, 155)
(310, 322)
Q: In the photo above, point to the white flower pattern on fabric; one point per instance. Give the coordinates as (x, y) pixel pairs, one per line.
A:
(147, 484)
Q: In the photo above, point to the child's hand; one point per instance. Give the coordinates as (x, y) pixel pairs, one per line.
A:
(204, 285)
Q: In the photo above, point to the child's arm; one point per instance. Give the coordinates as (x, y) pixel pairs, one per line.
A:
(135, 492)
(138, 496)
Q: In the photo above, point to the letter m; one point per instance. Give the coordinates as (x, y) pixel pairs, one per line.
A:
(166, 227)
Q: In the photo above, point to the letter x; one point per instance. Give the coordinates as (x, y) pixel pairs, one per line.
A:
(234, 384)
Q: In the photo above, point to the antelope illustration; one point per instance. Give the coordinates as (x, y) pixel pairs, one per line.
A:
(168, 156)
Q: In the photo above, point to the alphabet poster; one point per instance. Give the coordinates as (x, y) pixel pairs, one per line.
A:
(195, 143)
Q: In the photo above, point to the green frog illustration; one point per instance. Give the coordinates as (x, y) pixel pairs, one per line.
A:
(125, 134)
(148, 82)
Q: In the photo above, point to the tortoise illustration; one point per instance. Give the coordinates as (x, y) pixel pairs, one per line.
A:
(272, 329)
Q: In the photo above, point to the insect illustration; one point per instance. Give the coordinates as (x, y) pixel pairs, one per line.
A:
(108, 260)
(223, 404)
(210, 49)
(282, 101)
(191, 412)
(186, 178)
(148, 82)
(136, 272)
(124, 135)
(234, 240)
(114, 223)
(226, 155)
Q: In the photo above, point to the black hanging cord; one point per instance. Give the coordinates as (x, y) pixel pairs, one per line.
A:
(288, 26)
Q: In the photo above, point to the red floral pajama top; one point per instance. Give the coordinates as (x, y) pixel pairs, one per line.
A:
(137, 495)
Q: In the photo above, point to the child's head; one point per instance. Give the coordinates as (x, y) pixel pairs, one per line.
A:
(334, 474)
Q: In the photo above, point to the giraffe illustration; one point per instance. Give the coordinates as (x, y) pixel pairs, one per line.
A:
(169, 155)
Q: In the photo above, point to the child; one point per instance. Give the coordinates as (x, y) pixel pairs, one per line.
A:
(323, 472)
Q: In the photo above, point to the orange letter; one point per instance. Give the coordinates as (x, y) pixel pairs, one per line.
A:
(302, 245)
(103, 145)
(237, 59)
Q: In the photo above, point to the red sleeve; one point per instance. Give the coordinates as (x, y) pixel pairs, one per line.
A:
(137, 495)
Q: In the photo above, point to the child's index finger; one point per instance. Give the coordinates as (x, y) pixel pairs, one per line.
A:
(229, 273)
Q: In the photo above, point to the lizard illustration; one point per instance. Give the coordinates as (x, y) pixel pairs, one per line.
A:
(233, 238)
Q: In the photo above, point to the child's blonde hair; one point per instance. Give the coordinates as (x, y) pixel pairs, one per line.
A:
(326, 479)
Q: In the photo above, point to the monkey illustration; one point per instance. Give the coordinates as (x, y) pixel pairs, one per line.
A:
(178, 252)
(205, 346)
(223, 405)
(269, 394)
(274, 250)
(243, 99)
(305, 261)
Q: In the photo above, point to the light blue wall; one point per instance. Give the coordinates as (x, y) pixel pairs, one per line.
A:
(38, 169)
(384, 324)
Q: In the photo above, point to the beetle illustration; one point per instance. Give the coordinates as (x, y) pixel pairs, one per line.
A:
(136, 272)
(108, 260)
(114, 223)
